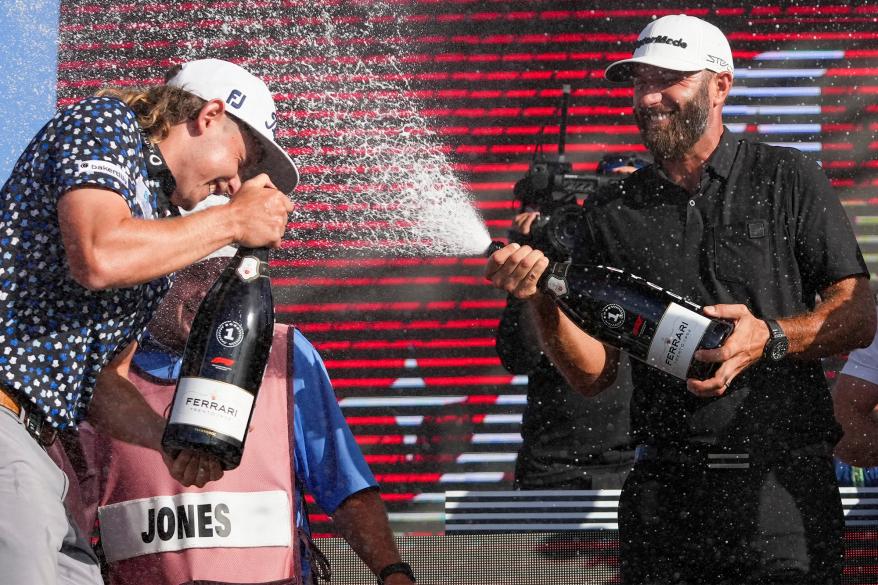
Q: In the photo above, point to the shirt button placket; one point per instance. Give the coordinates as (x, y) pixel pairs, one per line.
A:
(694, 232)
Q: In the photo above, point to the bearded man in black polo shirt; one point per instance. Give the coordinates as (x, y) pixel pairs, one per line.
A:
(733, 481)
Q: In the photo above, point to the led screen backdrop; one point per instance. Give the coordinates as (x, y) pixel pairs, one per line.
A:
(380, 100)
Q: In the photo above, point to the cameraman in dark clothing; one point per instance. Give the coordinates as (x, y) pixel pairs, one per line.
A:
(568, 441)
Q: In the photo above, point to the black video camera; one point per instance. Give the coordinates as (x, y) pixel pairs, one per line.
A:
(551, 188)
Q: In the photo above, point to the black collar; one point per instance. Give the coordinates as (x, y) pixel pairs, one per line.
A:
(161, 177)
(718, 165)
(720, 162)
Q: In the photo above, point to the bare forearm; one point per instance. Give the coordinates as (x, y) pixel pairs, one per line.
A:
(843, 320)
(362, 520)
(138, 251)
(588, 365)
(119, 410)
(108, 248)
(859, 445)
(855, 402)
(151, 249)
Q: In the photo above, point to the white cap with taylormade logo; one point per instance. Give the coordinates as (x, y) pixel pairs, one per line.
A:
(679, 43)
(248, 99)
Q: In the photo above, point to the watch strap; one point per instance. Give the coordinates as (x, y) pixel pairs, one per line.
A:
(774, 329)
(776, 338)
(392, 568)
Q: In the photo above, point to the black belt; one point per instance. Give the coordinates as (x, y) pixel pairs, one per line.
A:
(718, 458)
(36, 425)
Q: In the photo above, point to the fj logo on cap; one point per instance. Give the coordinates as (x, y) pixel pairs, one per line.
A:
(269, 125)
(661, 39)
(236, 99)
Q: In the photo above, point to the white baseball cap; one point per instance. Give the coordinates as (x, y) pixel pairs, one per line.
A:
(680, 43)
(249, 100)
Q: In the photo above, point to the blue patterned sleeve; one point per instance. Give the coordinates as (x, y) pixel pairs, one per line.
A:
(96, 143)
(327, 457)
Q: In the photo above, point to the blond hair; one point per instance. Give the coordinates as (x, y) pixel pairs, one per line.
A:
(158, 107)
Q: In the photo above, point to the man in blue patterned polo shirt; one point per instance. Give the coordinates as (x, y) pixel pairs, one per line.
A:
(89, 232)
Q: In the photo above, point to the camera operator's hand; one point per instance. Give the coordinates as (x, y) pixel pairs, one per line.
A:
(516, 269)
(522, 222)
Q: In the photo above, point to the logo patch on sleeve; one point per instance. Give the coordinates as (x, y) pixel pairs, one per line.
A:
(102, 167)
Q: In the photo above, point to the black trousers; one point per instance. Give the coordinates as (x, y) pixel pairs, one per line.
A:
(685, 523)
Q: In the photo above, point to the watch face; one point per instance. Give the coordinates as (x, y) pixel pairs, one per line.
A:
(779, 349)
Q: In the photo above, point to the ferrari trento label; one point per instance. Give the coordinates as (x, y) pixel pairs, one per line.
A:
(212, 405)
(676, 338)
(195, 520)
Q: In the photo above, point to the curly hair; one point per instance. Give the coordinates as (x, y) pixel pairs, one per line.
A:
(158, 107)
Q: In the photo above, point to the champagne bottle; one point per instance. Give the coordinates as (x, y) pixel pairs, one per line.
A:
(648, 322)
(224, 361)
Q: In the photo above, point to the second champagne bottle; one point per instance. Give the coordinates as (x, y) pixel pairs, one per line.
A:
(650, 323)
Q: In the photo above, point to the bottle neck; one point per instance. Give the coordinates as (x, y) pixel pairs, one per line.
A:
(262, 254)
(556, 269)
(250, 262)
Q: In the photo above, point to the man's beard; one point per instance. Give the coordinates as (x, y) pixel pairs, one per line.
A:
(684, 129)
